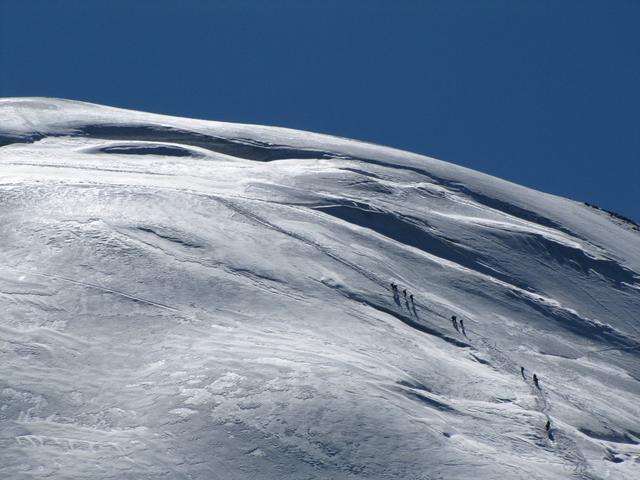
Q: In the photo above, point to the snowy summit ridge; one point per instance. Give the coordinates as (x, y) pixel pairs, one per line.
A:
(194, 299)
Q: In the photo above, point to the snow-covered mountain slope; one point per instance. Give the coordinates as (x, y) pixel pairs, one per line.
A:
(188, 299)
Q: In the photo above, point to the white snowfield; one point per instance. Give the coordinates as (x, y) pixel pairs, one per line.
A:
(187, 299)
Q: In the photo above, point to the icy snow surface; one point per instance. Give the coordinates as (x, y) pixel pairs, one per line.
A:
(186, 299)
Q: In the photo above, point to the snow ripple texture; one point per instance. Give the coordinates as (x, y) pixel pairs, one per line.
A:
(187, 299)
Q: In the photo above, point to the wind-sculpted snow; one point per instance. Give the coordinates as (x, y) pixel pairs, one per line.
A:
(147, 148)
(187, 299)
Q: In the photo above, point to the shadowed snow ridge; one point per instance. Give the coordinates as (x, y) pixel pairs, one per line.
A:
(189, 299)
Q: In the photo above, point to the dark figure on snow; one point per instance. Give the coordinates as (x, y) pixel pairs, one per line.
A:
(411, 297)
(547, 426)
(454, 320)
(522, 372)
(462, 327)
(394, 287)
(535, 381)
(405, 293)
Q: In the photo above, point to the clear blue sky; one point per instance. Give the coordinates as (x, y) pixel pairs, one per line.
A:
(545, 93)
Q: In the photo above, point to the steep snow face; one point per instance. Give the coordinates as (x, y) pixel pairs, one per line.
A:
(188, 299)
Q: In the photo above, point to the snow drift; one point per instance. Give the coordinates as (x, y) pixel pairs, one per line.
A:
(194, 299)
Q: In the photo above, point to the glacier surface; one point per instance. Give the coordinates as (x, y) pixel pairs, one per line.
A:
(188, 299)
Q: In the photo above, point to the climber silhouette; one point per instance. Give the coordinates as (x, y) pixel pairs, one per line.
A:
(454, 320)
(522, 372)
(462, 327)
(547, 428)
(396, 297)
(535, 381)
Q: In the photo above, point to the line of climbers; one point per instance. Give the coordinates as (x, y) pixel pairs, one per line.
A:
(536, 382)
(395, 290)
(459, 326)
(459, 329)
